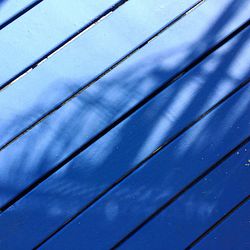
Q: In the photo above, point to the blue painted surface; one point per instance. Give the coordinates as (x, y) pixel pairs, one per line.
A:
(157, 180)
(41, 30)
(9, 9)
(93, 121)
(101, 104)
(199, 208)
(66, 71)
(232, 233)
(124, 147)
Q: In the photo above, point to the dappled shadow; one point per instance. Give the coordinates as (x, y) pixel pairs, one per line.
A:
(126, 145)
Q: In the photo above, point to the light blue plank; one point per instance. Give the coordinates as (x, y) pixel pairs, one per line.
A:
(11, 8)
(41, 29)
(158, 180)
(81, 61)
(232, 233)
(199, 208)
(80, 181)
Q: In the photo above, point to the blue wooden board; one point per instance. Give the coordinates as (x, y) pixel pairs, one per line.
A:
(42, 29)
(232, 233)
(51, 162)
(10, 10)
(25, 215)
(64, 73)
(199, 208)
(122, 113)
(156, 181)
(131, 146)
(48, 148)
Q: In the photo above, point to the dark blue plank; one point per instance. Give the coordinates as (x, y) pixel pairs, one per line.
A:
(78, 63)
(155, 182)
(197, 209)
(10, 10)
(42, 29)
(79, 182)
(56, 138)
(232, 234)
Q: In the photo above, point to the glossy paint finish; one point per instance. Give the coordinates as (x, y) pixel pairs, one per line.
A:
(143, 149)
(199, 208)
(55, 138)
(159, 179)
(41, 29)
(124, 147)
(9, 9)
(233, 233)
(72, 67)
